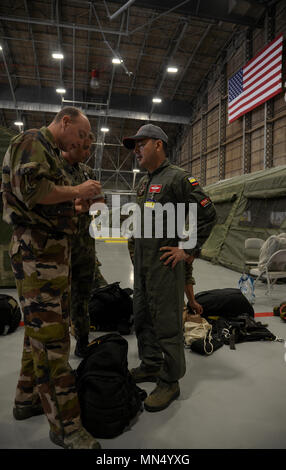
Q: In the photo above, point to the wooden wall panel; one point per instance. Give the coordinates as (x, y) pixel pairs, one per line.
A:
(279, 142)
(185, 151)
(212, 168)
(257, 150)
(212, 128)
(196, 168)
(233, 162)
(196, 141)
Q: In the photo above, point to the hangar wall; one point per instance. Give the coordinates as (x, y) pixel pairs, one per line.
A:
(214, 150)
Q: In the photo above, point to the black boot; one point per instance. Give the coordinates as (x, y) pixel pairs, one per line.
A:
(81, 345)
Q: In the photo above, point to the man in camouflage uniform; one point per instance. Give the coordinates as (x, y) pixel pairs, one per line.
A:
(39, 202)
(85, 274)
(159, 272)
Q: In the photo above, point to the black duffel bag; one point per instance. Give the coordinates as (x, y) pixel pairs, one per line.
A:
(226, 303)
(111, 309)
(108, 396)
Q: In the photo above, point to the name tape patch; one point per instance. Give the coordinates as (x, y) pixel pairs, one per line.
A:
(155, 188)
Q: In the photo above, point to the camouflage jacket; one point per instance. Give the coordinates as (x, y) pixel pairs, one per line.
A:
(32, 166)
(79, 173)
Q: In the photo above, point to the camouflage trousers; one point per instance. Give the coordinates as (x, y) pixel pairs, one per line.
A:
(40, 263)
(86, 276)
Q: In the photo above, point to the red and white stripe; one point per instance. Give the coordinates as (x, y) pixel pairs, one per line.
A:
(262, 79)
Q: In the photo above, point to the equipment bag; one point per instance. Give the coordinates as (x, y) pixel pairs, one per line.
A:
(242, 329)
(194, 330)
(108, 396)
(111, 309)
(226, 303)
(10, 314)
(199, 337)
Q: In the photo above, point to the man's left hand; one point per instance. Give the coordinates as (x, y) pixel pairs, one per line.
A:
(173, 255)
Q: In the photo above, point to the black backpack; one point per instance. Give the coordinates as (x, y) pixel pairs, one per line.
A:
(111, 309)
(10, 314)
(228, 302)
(108, 396)
(240, 329)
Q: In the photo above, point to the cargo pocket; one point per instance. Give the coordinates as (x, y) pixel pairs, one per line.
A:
(41, 288)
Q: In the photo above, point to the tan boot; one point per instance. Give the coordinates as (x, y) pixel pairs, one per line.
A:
(80, 439)
(162, 396)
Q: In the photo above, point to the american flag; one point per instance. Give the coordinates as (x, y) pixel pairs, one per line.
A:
(258, 81)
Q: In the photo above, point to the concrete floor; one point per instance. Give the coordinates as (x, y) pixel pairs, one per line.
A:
(230, 400)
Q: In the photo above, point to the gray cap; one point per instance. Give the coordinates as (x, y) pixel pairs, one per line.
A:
(149, 130)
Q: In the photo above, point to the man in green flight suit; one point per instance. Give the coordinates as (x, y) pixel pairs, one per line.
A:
(40, 203)
(85, 271)
(159, 270)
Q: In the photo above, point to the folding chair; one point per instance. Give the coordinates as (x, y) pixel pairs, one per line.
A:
(252, 250)
(275, 268)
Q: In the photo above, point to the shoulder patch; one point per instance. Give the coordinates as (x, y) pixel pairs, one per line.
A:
(205, 202)
(193, 181)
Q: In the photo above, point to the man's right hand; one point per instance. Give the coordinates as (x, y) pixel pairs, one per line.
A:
(89, 189)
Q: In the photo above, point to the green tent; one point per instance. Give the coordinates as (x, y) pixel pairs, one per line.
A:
(6, 275)
(248, 206)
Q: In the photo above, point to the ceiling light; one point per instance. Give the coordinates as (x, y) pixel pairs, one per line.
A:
(18, 123)
(61, 90)
(57, 55)
(116, 60)
(172, 69)
(157, 100)
(135, 170)
(104, 129)
(1, 48)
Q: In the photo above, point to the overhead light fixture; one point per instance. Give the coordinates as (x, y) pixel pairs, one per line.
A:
(104, 129)
(172, 69)
(157, 100)
(116, 60)
(135, 170)
(1, 48)
(94, 82)
(18, 123)
(61, 91)
(57, 55)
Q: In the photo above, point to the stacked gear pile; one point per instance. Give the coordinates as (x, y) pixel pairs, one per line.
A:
(230, 320)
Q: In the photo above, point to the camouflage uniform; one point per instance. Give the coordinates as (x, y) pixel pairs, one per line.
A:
(159, 289)
(85, 274)
(40, 258)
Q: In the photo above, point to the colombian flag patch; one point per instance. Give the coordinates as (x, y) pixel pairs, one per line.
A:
(193, 181)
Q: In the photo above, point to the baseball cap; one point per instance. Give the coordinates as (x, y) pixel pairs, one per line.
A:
(149, 130)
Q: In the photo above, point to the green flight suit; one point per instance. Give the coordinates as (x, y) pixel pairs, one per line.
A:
(159, 289)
